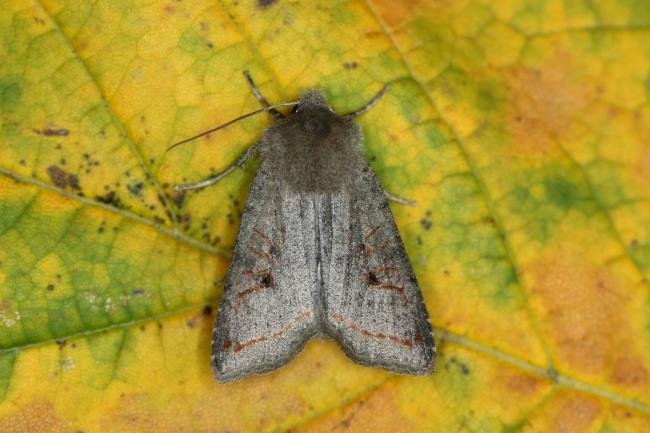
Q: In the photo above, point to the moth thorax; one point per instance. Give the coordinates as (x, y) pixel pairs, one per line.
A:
(322, 165)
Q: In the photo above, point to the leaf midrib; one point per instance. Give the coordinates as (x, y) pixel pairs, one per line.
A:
(171, 232)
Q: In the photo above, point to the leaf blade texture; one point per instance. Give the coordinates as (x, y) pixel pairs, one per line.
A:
(520, 128)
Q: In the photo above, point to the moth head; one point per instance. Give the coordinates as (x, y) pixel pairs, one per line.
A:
(313, 113)
(312, 98)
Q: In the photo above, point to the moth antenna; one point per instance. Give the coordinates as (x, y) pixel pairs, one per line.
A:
(256, 92)
(353, 115)
(230, 122)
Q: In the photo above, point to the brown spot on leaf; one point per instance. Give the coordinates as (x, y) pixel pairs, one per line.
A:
(202, 317)
(629, 371)
(62, 178)
(575, 413)
(583, 310)
(132, 413)
(636, 421)
(135, 188)
(263, 4)
(379, 412)
(140, 293)
(425, 223)
(397, 14)
(185, 220)
(544, 101)
(191, 323)
(644, 166)
(33, 416)
(177, 197)
(109, 198)
(523, 384)
(53, 132)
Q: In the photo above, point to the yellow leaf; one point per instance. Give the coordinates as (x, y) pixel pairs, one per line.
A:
(521, 128)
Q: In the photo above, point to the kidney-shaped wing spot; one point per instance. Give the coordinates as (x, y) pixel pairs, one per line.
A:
(372, 303)
(268, 308)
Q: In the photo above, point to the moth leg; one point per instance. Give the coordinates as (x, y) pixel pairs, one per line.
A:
(398, 199)
(256, 92)
(218, 176)
(353, 115)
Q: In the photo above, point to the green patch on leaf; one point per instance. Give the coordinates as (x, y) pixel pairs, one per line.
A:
(543, 198)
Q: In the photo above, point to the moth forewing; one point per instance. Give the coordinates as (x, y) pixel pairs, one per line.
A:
(269, 307)
(373, 305)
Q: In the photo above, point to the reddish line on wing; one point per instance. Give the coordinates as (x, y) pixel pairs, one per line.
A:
(262, 254)
(385, 269)
(263, 235)
(370, 233)
(376, 335)
(251, 289)
(238, 347)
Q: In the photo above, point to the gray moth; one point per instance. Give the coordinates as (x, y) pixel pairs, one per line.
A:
(317, 253)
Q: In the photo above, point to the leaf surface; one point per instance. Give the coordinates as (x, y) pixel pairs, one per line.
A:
(521, 128)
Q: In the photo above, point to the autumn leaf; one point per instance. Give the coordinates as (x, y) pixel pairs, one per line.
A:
(521, 128)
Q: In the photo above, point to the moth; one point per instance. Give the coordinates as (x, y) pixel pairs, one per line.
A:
(317, 252)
